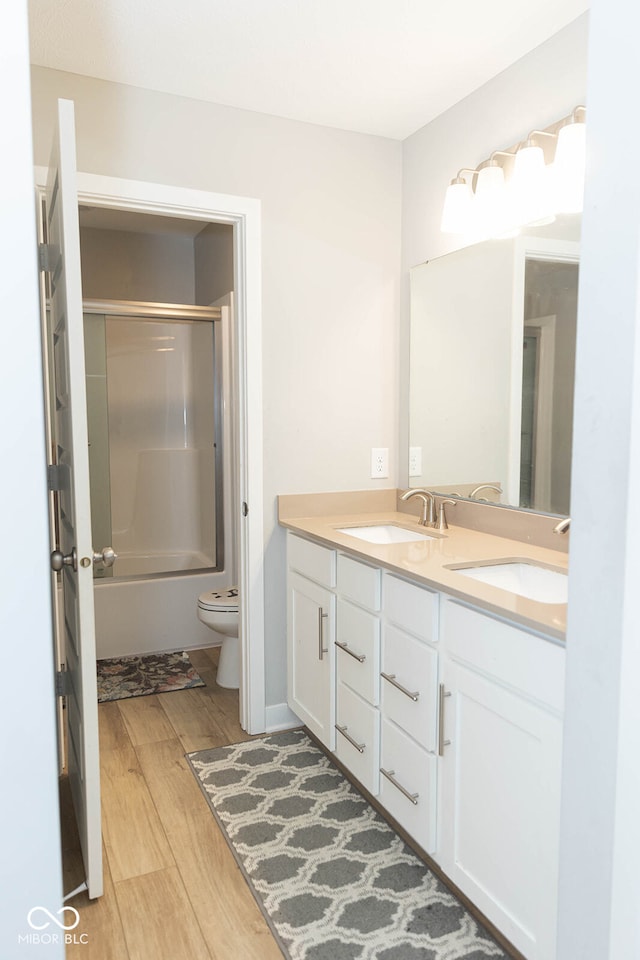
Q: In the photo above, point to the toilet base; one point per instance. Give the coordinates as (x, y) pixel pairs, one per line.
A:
(228, 675)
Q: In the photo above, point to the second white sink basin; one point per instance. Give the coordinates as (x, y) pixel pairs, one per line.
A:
(526, 579)
(384, 533)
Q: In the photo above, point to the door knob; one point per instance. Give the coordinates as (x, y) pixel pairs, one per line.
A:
(106, 556)
(59, 560)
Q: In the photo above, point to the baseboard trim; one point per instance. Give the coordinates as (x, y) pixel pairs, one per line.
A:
(280, 717)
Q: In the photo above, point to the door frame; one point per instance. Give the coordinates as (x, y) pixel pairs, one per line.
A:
(545, 328)
(526, 248)
(244, 214)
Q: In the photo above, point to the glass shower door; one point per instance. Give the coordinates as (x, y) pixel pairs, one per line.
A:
(155, 450)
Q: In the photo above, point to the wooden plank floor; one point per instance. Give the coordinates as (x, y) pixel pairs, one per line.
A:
(172, 887)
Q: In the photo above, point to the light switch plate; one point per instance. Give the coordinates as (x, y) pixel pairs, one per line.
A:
(415, 461)
(379, 463)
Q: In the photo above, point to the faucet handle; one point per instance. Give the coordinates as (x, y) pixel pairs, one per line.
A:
(562, 526)
(442, 517)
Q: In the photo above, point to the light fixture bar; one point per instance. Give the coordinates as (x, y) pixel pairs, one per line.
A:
(496, 201)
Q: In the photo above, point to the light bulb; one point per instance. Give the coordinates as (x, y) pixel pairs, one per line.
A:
(490, 201)
(457, 212)
(530, 186)
(569, 167)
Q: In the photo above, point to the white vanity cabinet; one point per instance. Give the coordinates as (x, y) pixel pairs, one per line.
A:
(451, 716)
(311, 620)
(499, 778)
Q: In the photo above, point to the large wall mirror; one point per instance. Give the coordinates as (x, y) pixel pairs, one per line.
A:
(492, 356)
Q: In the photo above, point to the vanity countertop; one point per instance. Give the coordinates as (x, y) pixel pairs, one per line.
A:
(427, 561)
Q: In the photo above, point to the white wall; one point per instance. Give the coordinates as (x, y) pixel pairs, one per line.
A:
(123, 265)
(599, 917)
(30, 869)
(213, 249)
(331, 228)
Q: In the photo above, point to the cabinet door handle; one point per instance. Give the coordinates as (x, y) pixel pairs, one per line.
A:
(360, 657)
(343, 730)
(321, 618)
(412, 694)
(390, 775)
(442, 743)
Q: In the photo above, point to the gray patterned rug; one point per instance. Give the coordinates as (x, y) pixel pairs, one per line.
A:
(332, 878)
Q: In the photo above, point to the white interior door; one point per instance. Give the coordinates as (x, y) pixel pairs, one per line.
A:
(75, 555)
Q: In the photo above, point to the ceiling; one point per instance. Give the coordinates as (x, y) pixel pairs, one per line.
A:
(384, 67)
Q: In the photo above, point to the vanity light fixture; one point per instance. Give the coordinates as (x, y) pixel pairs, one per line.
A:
(497, 198)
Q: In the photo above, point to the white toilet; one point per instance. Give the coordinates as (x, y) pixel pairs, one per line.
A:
(218, 610)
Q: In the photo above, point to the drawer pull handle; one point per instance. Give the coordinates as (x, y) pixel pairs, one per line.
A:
(390, 775)
(360, 657)
(391, 677)
(354, 743)
(442, 743)
(321, 647)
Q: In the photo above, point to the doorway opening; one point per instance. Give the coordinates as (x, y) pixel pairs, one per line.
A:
(162, 423)
(212, 217)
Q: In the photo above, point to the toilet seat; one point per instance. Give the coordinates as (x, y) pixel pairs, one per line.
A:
(223, 601)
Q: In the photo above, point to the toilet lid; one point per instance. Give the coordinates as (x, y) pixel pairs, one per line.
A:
(224, 600)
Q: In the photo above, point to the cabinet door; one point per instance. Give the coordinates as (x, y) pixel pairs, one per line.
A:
(500, 806)
(311, 656)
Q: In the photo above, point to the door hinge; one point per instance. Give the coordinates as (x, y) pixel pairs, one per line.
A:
(57, 477)
(63, 685)
(45, 257)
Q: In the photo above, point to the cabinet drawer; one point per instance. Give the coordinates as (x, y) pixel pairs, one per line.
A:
(358, 737)
(311, 560)
(359, 582)
(414, 666)
(358, 650)
(411, 797)
(529, 664)
(411, 607)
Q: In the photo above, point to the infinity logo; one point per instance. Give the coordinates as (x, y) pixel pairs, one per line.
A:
(53, 918)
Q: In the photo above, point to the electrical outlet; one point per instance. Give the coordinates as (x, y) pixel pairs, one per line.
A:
(415, 461)
(379, 463)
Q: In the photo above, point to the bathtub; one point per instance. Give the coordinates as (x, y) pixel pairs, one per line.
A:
(137, 564)
(155, 614)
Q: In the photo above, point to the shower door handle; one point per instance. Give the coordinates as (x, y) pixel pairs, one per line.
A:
(107, 556)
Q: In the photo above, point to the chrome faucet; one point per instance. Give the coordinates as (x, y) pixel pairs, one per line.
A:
(562, 526)
(428, 518)
(484, 486)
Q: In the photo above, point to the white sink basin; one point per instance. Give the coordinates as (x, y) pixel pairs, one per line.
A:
(526, 579)
(384, 533)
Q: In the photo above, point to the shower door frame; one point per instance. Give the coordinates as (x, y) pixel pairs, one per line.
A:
(182, 313)
(244, 214)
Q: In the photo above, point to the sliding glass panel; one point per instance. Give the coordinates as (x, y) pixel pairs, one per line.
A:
(95, 349)
(158, 386)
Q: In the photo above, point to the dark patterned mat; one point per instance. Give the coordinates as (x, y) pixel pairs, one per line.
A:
(124, 677)
(332, 878)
